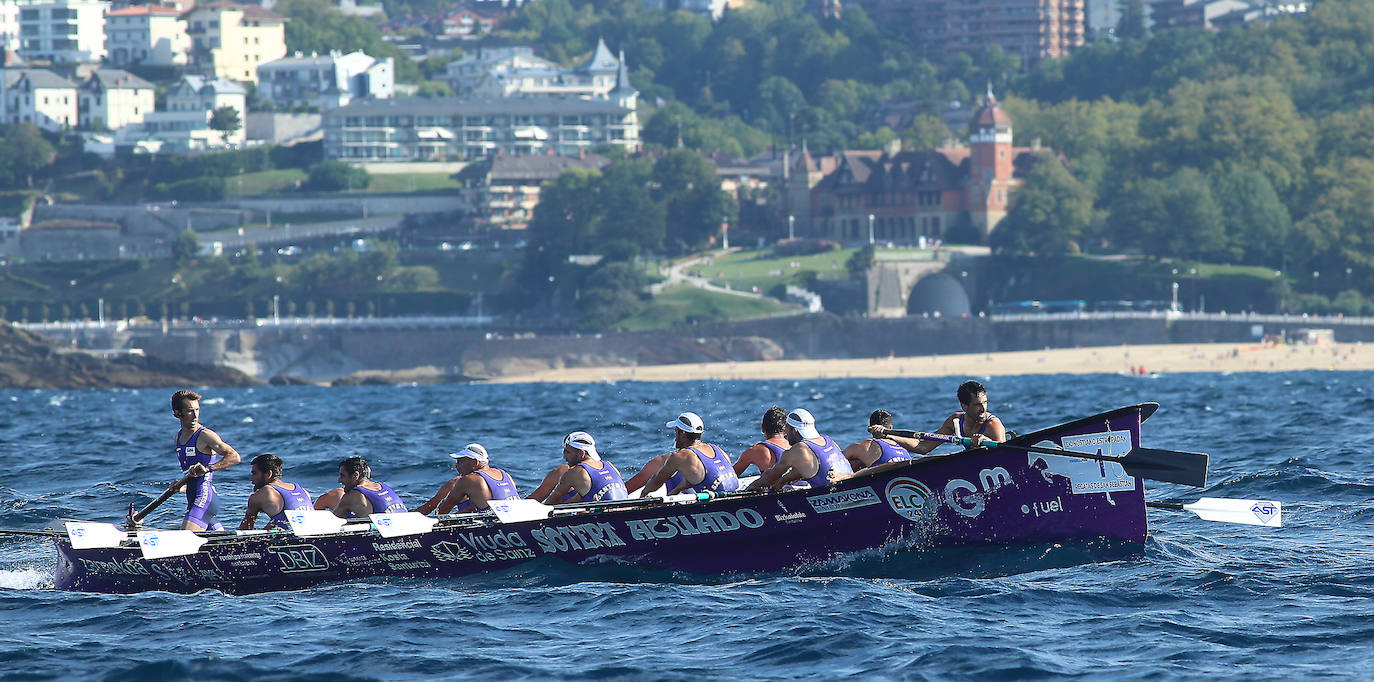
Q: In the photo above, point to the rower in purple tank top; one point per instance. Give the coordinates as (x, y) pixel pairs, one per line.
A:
(362, 495)
(695, 466)
(272, 496)
(974, 421)
(811, 459)
(588, 478)
(765, 453)
(872, 452)
(476, 484)
(200, 452)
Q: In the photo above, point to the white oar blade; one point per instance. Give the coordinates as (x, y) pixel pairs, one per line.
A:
(1249, 512)
(515, 511)
(95, 535)
(307, 522)
(405, 523)
(160, 544)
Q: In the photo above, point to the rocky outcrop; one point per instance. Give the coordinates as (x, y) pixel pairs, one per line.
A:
(31, 361)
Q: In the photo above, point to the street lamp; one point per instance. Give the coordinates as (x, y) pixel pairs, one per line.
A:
(791, 221)
(870, 228)
(1315, 276)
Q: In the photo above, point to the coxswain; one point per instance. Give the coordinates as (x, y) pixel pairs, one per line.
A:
(765, 453)
(974, 422)
(876, 451)
(271, 495)
(201, 452)
(588, 477)
(362, 495)
(696, 466)
(476, 484)
(811, 458)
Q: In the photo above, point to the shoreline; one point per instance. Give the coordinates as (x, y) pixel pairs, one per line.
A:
(1154, 359)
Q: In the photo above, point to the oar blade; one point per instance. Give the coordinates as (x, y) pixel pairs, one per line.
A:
(86, 535)
(1168, 466)
(1249, 512)
(160, 544)
(404, 523)
(308, 522)
(515, 511)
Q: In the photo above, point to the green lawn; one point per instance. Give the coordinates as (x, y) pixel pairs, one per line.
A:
(265, 182)
(684, 305)
(405, 183)
(759, 268)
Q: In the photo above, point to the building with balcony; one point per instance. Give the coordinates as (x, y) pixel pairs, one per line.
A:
(510, 71)
(326, 81)
(505, 189)
(1031, 30)
(231, 41)
(63, 31)
(111, 99)
(146, 34)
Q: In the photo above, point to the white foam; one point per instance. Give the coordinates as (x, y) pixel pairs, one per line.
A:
(25, 579)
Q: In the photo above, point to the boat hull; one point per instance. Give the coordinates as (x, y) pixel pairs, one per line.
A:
(1000, 496)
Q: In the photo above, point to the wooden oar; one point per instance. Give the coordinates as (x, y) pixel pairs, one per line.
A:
(133, 519)
(1168, 466)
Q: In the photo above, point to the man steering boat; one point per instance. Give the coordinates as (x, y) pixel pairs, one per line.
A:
(200, 452)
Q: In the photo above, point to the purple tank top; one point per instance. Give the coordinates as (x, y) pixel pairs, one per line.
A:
(503, 489)
(889, 453)
(828, 458)
(607, 485)
(959, 424)
(384, 501)
(720, 476)
(198, 489)
(290, 499)
(776, 449)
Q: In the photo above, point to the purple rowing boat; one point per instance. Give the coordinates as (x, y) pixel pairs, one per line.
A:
(1012, 493)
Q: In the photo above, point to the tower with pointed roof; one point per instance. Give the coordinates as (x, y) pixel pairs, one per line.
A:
(990, 164)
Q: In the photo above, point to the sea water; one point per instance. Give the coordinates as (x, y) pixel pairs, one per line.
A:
(1204, 600)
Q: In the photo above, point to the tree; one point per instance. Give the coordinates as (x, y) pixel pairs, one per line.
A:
(24, 152)
(1051, 212)
(1256, 221)
(696, 206)
(1132, 23)
(334, 175)
(186, 247)
(225, 119)
(861, 261)
(1176, 217)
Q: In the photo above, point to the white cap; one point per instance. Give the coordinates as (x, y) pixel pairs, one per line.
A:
(474, 451)
(803, 422)
(688, 422)
(581, 440)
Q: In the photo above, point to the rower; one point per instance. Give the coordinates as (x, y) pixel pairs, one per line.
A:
(476, 484)
(362, 495)
(695, 467)
(588, 477)
(876, 451)
(974, 421)
(271, 495)
(811, 458)
(765, 453)
(197, 448)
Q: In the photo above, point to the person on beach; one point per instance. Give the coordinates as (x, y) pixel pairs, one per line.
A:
(476, 484)
(695, 467)
(810, 459)
(271, 495)
(974, 422)
(765, 453)
(588, 478)
(360, 495)
(200, 452)
(876, 451)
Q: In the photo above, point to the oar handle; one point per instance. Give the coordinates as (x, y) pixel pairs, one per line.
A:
(135, 518)
(941, 437)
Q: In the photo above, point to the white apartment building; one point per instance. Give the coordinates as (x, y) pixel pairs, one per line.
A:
(326, 81)
(508, 71)
(185, 124)
(9, 25)
(40, 97)
(231, 41)
(146, 34)
(63, 31)
(112, 99)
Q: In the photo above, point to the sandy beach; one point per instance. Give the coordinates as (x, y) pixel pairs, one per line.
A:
(1159, 359)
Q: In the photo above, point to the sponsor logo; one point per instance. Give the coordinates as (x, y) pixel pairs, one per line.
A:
(1043, 507)
(694, 524)
(963, 497)
(93, 567)
(446, 550)
(850, 499)
(790, 518)
(504, 548)
(1264, 511)
(300, 558)
(577, 537)
(909, 497)
(396, 545)
(1087, 475)
(495, 541)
